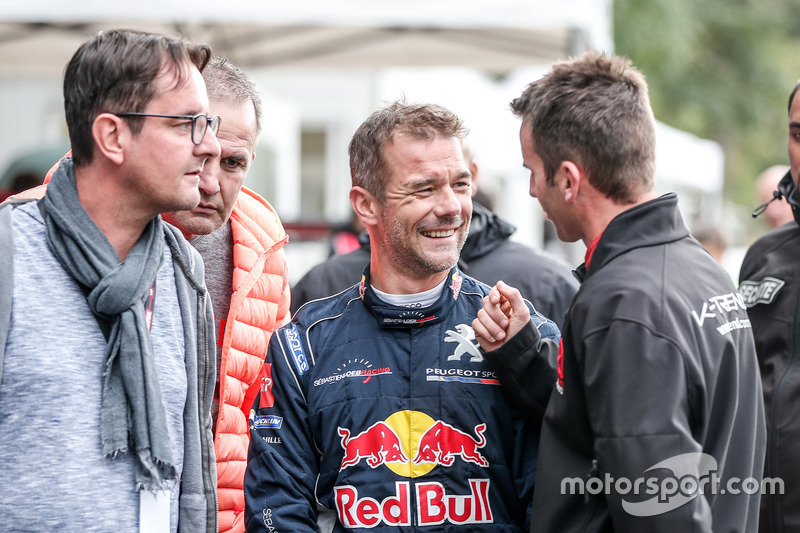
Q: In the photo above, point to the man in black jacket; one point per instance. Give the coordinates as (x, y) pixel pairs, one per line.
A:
(488, 255)
(769, 284)
(656, 420)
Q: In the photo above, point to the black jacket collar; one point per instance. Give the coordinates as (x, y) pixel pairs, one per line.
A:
(788, 190)
(651, 223)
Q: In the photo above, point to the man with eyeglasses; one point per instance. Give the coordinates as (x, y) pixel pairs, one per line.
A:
(106, 328)
(250, 299)
(200, 122)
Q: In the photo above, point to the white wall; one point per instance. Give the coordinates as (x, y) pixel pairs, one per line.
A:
(32, 112)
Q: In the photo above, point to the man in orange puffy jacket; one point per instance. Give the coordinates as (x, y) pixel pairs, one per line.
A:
(241, 239)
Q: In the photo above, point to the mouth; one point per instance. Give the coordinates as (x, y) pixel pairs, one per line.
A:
(205, 209)
(438, 234)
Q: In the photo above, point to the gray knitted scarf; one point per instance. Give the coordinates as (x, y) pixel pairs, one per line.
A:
(132, 411)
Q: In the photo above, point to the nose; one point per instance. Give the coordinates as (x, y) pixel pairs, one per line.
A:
(532, 188)
(209, 177)
(448, 203)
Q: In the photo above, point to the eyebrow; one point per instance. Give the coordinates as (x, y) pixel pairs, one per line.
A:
(427, 180)
(238, 157)
(423, 182)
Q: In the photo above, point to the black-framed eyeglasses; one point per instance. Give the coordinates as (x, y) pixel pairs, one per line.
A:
(200, 122)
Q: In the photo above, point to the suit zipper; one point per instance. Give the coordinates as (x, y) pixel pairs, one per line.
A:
(774, 513)
(592, 473)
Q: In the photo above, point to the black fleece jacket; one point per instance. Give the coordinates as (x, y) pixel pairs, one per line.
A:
(770, 284)
(657, 361)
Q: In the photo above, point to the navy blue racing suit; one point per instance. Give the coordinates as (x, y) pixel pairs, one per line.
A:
(388, 417)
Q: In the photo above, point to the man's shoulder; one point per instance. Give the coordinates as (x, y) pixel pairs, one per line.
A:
(654, 288)
(34, 193)
(344, 267)
(254, 211)
(326, 308)
(330, 277)
(24, 213)
(770, 263)
(13, 202)
(471, 285)
(782, 240)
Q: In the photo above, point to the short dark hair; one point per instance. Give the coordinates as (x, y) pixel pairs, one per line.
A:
(594, 110)
(114, 72)
(226, 82)
(421, 121)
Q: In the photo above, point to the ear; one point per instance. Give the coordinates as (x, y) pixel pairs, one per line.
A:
(365, 205)
(571, 180)
(110, 134)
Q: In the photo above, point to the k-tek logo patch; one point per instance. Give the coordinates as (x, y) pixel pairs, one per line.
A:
(760, 292)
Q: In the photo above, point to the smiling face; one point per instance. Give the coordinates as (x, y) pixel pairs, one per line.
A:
(424, 220)
(222, 176)
(163, 165)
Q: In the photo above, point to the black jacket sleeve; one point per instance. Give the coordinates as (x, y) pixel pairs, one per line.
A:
(526, 367)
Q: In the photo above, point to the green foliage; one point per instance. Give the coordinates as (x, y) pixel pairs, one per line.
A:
(721, 69)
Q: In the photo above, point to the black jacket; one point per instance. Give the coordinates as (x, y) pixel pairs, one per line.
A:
(488, 256)
(770, 282)
(658, 366)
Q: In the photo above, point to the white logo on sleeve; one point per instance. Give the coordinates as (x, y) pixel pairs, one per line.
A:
(760, 292)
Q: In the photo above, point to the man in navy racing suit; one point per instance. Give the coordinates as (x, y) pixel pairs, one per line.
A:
(377, 409)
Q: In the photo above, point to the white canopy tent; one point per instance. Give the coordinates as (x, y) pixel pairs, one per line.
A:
(325, 64)
(37, 37)
(682, 157)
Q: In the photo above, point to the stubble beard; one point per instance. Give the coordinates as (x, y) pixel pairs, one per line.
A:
(407, 257)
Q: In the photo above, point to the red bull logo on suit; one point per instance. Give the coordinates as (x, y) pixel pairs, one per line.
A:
(413, 453)
(378, 444)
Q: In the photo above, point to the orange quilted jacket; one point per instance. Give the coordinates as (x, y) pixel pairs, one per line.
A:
(259, 305)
